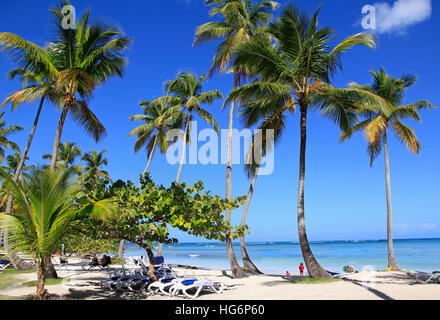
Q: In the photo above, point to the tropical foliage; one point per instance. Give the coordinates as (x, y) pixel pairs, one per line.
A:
(158, 118)
(241, 21)
(297, 72)
(377, 119)
(44, 207)
(145, 212)
(185, 93)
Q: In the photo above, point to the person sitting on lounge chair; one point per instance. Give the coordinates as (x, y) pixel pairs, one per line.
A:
(104, 262)
(94, 261)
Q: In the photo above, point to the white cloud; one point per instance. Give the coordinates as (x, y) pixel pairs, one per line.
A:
(401, 14)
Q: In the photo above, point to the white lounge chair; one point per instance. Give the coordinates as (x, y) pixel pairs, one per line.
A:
(425, 277)
(198, 284)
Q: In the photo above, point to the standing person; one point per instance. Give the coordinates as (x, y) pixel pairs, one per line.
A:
(301, 269)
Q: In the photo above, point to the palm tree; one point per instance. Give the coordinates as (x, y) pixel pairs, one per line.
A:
(37, 84)
(158, 120)
(12, 162)
(185, 93)
(241, 20)
(45, 207)
(92, 170)
(35, 87)
(5, 132)
(377, 121)
(296, 72)
(67, 154)
(261, 143)
(80, 60)
(86, 57)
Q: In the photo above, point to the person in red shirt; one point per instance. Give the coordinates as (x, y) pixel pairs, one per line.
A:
(287, 273)
(301, 269)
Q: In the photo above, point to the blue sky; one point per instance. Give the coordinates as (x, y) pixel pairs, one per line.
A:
(345, 198)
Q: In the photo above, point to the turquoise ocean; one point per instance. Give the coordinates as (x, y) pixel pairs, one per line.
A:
(279, 257)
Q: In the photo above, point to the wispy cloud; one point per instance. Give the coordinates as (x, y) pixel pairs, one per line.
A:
(401, 14)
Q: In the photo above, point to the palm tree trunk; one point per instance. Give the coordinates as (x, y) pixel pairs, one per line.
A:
(50, 270)
(182, 158)
(392, 263)
(247, 262)
(58, 137)
(41, 292)
(151, 154)
(313, 267)
(237, 272)
(16, 260)
(28, 144)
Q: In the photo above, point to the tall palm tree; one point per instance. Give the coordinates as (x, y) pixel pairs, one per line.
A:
(45, 207)
(241, 20)
(157, 120)
(261, 143)
(35, 87)
(80, 59)
(86, 57)
(185, 95)
(5, 132)
(376, 122)
(67, 154)
(296, 72)
(92, 170)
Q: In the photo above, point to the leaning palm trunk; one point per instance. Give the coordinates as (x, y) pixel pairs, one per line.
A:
(313, 267)
(58, 137)
(151, 154)
(247, 262)
(182, 159)
(237, 272)
(16, 260)
(391, 258)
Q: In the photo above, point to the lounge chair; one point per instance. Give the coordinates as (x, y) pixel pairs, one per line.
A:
(163, 285)
(425, 277)
(63, 263)
(4, 264)
(198, 284)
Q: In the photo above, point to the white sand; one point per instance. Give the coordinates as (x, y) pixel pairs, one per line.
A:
(386, 285)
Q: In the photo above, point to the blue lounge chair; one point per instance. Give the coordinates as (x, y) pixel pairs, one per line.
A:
(4, 264)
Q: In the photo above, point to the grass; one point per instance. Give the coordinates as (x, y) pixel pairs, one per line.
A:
(48, 282)
(11, 276)
(3, 297)
(307, 280)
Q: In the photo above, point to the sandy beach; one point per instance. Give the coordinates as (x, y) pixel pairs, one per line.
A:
(373, 285)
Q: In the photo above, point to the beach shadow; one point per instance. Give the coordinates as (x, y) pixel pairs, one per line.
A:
(378, 293)
(226, 275)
